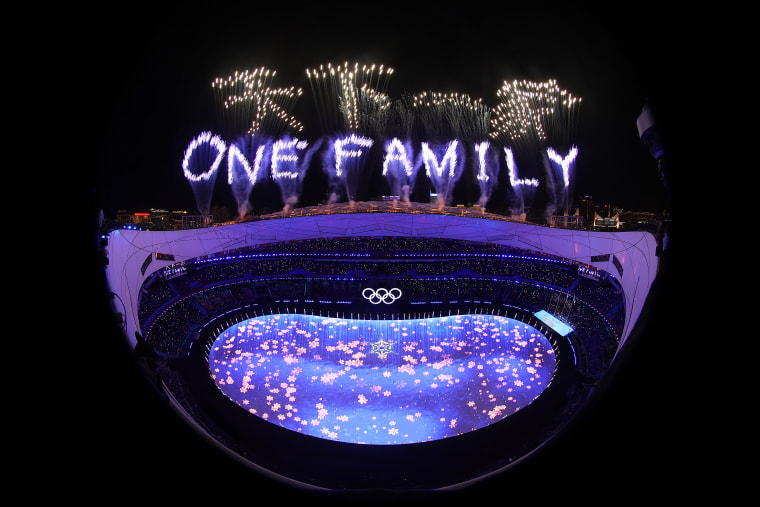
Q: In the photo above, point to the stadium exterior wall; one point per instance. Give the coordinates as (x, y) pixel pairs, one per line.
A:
(634, 251)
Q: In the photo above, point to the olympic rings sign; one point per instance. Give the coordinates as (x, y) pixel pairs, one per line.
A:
(381, 295)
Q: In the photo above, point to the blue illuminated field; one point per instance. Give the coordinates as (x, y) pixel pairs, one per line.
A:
(382, 381)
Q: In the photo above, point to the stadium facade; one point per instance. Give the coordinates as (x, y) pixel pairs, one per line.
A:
(620, 266)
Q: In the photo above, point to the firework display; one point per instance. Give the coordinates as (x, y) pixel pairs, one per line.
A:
(563, 162)
(562, 170)
(529, 117)
(452, 134)
(248, 101)
(446, 116)
(223, 322)
(382, 382)
(443, 165)
(350, 98)
(290, 160)
(487, 171)
(531, 114)
(400, 168)
(243, 174)
(523, 188)
(202, 158)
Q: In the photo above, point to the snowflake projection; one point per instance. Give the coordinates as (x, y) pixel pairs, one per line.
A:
(381, 382)
(382, 348)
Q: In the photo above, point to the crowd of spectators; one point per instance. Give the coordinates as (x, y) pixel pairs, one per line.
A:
(427, 270)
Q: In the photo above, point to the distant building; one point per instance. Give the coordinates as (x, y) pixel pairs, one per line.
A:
(633, 218)
(567, 221)
(221, 214)
(586, 209)
(196, 221)
(606, 223)
(155, 220)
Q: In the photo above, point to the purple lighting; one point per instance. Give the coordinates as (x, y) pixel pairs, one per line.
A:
(443, 172)
(397, 155)
(487, 171)
(285, 158)
(562, 167)
(290, 160)
(236, 157)
(241, 176)
(343, 162)
(435, 169)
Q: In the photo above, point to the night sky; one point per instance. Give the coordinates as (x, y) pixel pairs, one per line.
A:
(155, 95)
(144, 93)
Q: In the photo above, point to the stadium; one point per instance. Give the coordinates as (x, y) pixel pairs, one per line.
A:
(371, 339)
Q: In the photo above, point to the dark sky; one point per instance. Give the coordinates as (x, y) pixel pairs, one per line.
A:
(153, 84)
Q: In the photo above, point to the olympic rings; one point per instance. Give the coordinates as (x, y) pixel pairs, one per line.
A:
(381, 295)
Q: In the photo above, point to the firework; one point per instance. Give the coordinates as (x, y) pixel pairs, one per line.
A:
(529, 117)
(523, 189)
(530, 114)
(344, 162)
(447, 116)
(445, 171)
(532, 122)
(290, 160)
(202, 158)
(350, 98)
(512, 168)
(563, 162)
(249, 102)
(400, 168)
(487, 171)
(450, 123)
(242, 174)
(562, 169)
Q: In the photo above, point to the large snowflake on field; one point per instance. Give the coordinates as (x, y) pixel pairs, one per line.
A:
(381, 347)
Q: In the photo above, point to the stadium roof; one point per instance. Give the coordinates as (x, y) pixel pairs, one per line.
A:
(628, 256)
